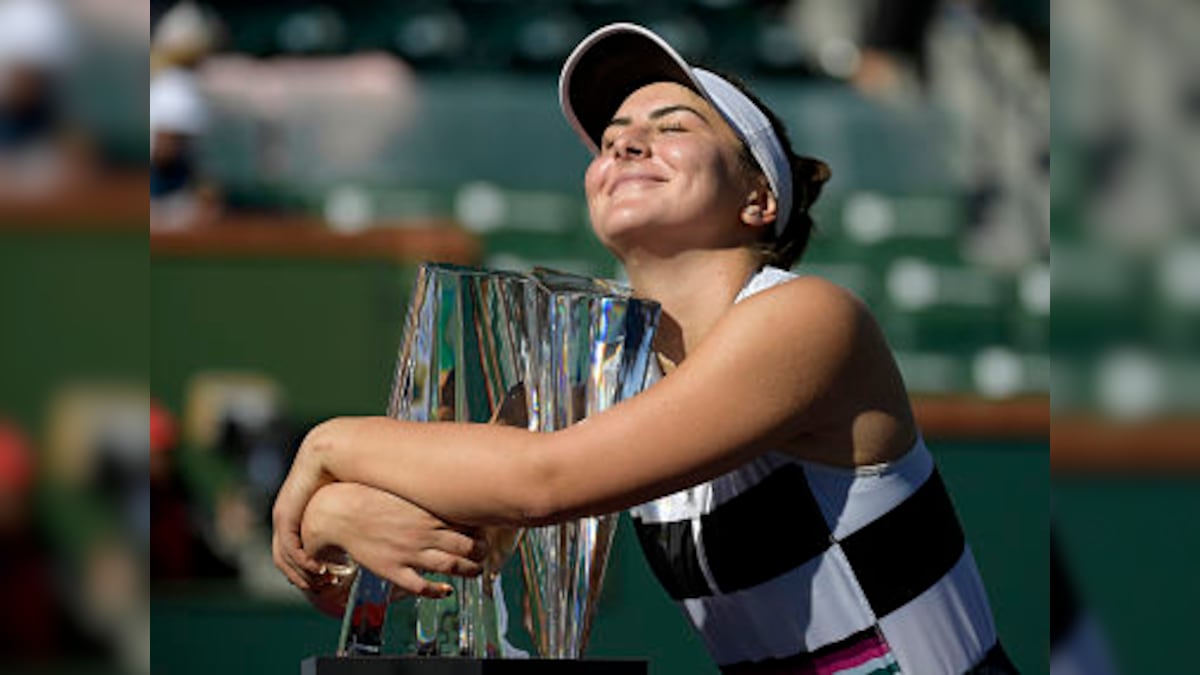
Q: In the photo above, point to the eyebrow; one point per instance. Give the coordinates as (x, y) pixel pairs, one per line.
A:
(660, 112)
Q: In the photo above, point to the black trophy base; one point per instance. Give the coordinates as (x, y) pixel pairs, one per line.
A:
(436, 665)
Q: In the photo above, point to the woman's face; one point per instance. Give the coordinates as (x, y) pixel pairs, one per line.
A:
(668, 173)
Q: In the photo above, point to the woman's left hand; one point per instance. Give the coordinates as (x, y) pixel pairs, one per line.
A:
(390, 536)
(306, 476)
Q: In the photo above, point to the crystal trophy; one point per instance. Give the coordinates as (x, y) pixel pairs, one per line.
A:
(591, 349)
(541, 351)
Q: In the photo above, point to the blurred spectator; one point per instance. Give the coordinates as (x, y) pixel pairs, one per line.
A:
(177, 552)
(184, 36)
(27, 626)
(16, 477)
(347, 109)
(179, 118)
(985, 63)
(35, 626)
(1130, 108)
(39, 153)
(231, 460)
(894, 36)
(992, 76)
(95, 503)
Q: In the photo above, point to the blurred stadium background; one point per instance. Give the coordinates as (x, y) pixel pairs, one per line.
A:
(305, 156)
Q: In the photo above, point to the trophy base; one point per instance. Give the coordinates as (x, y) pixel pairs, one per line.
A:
(434, 665)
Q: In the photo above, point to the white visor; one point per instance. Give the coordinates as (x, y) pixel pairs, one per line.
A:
(619, 58)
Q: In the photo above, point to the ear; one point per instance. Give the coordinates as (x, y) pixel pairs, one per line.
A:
(760, 208)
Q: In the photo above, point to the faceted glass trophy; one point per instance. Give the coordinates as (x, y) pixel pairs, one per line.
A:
(590, 349)
(463, 351)
(541, 351)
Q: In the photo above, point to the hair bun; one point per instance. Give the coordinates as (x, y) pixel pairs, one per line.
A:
(810, 175)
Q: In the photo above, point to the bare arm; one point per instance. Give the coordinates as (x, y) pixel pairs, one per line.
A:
(762, 375)
(384, 533)
(390, 535)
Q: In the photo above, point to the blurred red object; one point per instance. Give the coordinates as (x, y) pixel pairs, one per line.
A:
(29, 621)
(164, 430)
(16, 465)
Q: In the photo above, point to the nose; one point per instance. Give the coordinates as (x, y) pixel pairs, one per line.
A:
(630, 145)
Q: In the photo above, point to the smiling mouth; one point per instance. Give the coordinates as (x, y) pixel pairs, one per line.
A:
(631, 180)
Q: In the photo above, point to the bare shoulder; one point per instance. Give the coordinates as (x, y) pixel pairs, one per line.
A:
(812, 288)
(807, 323)
(809, 304)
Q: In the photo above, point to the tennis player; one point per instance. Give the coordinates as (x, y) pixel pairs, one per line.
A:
(779, 486)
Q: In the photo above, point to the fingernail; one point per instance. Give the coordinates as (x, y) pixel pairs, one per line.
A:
(447, 590)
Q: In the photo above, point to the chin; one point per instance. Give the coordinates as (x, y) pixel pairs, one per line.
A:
(657, 239)
(621, 232)
(622, 219)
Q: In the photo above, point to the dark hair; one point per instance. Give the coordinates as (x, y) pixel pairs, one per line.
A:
(808, 176)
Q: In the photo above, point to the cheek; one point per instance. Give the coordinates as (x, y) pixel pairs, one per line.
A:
(594, 175)
(705, 172)
(592, 180)
(694, 156)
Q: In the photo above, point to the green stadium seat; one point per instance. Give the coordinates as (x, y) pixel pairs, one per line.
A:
(933, 373)
(950, 309)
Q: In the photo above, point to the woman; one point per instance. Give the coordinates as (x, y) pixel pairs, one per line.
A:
(778, 483)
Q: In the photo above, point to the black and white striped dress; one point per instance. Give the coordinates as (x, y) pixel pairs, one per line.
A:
(788, 566)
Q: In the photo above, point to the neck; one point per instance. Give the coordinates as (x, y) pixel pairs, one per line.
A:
(694, 289)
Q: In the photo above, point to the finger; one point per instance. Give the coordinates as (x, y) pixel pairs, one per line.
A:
(281, 562)
(287, 534)
(290, 551)
(296, 575)
(293, 574)
(460, 544)
(445, 563)
(407, 579)
(305, 561)
(480, 550)
(293, 549)
(287, 529)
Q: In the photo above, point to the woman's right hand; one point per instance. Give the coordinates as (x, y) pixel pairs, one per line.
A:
(389, 536)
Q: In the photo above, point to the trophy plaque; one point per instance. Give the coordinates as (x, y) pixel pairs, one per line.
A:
(541, 351)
